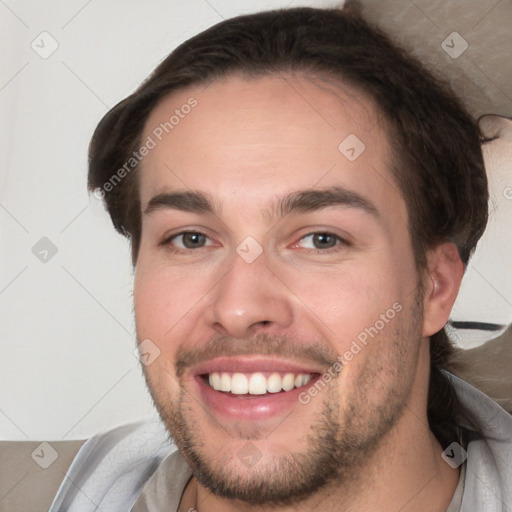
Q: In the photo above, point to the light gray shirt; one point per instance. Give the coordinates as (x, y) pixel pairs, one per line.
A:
(137, 468)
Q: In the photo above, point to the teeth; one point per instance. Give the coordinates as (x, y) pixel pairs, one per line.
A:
(225, 383)
(239, 384)
(274, 383)
(256, 383)
(214, 380)
(289, 381)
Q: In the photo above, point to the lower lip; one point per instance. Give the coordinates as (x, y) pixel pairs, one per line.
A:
(250, 407)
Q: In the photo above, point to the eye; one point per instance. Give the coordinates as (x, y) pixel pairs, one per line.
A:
(189, 240)
(319, 241)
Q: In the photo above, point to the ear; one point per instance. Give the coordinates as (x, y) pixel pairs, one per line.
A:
(441, 284)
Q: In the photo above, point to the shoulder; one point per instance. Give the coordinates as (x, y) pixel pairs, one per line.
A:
(488, 367)
(488, 481)
(112, 467)
(31, 472)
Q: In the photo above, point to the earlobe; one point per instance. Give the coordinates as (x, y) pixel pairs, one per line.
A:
(442, 283)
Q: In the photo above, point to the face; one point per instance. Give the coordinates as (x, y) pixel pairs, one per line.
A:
(277, 280)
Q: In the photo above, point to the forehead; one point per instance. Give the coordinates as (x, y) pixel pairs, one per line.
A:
(253, 139)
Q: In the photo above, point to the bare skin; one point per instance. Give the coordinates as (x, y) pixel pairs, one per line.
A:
(326, 273)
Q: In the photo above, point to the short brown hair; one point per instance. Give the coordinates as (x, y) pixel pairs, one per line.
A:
(438, 162)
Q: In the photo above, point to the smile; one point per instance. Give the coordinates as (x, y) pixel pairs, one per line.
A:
(252, 388)
(258, 383)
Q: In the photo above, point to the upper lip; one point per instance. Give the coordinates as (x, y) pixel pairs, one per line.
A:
(253, 364)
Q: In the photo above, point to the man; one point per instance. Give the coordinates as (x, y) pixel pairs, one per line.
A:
(301, 199)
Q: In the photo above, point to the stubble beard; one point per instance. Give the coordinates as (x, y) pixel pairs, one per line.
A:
(339, 444)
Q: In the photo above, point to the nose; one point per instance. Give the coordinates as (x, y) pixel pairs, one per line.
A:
(249, 298)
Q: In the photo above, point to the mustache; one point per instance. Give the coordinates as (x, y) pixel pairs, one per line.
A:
(261, 344)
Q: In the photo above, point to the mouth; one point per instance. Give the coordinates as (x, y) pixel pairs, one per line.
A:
(252, 388)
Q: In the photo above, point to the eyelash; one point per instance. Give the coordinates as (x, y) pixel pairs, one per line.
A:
(340, 242)
(167, 242)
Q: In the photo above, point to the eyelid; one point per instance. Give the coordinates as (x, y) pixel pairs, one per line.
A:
(168, 238)
(310, 235)
(342, 238)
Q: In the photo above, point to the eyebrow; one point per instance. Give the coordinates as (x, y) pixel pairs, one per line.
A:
(194, 202)
(298, 202)
(310, 200)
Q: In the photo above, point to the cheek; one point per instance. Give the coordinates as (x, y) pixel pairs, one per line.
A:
(163, 301)
(348, 301)
(160, 302)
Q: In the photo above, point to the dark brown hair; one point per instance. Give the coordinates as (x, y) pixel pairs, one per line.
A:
(438, 163)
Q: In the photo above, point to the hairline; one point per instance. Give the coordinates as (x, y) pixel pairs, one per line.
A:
(335, 83)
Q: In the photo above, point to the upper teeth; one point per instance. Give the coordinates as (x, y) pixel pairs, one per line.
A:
(256, 383)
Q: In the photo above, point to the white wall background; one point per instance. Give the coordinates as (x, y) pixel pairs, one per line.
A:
(67, 368)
